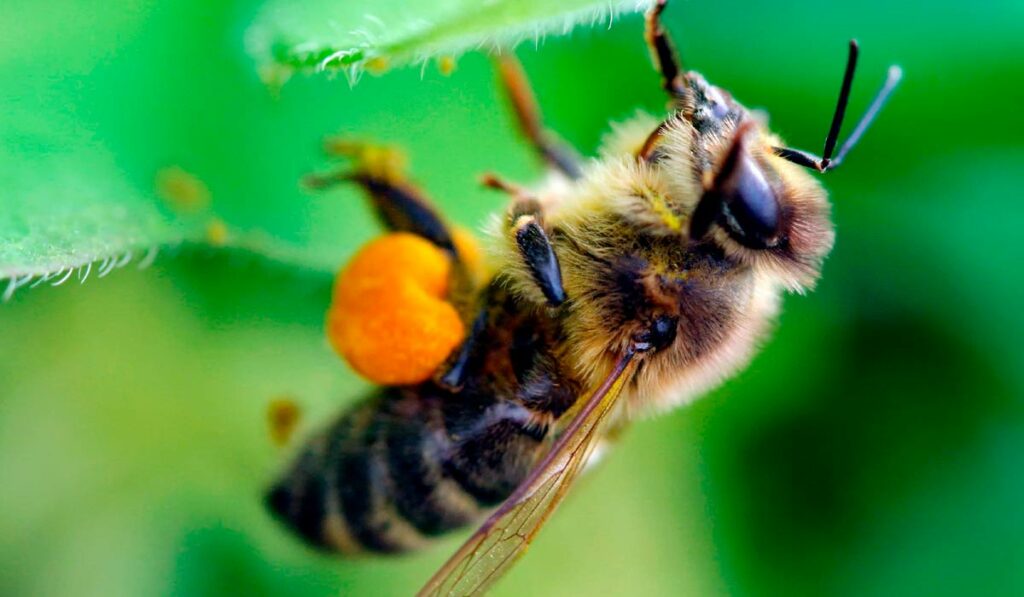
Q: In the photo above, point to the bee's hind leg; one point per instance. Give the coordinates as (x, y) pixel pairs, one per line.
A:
(400, 205)
(662, 52)
(557, 155)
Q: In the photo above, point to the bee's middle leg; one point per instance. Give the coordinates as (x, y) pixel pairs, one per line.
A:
(555, 154)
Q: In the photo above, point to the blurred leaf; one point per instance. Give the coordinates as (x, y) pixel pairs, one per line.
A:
(871, 448)
(87, 185)
(65, 205)
(359, 35)
(65, 200)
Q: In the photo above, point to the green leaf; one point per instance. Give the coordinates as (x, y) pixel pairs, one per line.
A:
(68, 209)
(66, 206)
(353, 36)
(83, 152)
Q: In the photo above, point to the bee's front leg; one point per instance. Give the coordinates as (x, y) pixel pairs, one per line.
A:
(662, 52)
(525, 224)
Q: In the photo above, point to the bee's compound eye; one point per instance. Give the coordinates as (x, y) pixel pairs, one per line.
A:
(750, 211)
(660, 334)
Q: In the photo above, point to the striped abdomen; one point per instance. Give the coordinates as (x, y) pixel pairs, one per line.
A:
(390, 474)
(414, 462)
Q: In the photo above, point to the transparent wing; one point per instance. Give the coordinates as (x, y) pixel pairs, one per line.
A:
(496, 545)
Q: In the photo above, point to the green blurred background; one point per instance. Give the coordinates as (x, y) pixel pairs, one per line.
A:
(875, 446)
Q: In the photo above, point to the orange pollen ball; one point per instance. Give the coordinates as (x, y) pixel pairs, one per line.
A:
(389, 318)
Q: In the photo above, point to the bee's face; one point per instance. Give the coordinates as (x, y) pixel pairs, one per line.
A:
(765, 212)
(673, 298)
(758, 207)
(675, 254)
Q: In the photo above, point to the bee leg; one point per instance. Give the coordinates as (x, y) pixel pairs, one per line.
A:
(403, 208)
(662, 53)
(399, 204)
(538, 255)
(454, 376)
(526, 223)
(555, 154)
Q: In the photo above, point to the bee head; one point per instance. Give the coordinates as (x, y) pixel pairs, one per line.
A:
(764, 211)
(759, 205)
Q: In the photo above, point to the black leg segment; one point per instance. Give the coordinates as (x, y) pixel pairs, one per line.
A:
(455, 377)
(525, 223)
(402, 208)
(539, 257)
(379, 170)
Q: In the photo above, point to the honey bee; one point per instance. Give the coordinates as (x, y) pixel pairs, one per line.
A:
(622, 286)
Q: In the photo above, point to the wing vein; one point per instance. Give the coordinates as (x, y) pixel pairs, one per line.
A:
(504, 536)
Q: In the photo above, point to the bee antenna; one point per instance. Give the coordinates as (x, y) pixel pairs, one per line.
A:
(827, 162)
(844, 99)
(891, 80)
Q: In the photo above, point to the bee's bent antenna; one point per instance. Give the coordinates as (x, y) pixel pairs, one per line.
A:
(826, 162)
